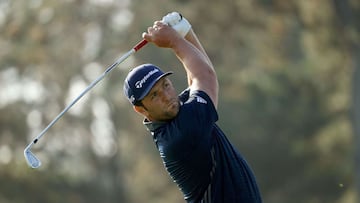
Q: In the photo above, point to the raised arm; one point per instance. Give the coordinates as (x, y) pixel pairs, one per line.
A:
(199, 69)
(193, 39)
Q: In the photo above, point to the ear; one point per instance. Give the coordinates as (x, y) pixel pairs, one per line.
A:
(141, 110)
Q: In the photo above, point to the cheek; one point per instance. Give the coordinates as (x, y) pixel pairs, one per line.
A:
(173, 92)
(155, 107)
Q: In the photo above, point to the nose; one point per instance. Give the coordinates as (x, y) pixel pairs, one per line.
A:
(165, 95)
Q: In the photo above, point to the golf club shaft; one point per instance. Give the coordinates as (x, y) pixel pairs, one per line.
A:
(88, 88)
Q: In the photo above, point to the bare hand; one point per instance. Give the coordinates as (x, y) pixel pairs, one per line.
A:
(161, 35)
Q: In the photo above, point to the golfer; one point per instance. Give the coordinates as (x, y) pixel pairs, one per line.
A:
(195, 152)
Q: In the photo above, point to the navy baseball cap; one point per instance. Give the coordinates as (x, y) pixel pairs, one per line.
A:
(140, 80)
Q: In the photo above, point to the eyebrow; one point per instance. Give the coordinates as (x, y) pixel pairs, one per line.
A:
(161, 82)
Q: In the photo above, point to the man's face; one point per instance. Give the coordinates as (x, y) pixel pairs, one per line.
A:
(162, 102)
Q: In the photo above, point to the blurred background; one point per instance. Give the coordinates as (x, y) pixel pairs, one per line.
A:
(289, 74)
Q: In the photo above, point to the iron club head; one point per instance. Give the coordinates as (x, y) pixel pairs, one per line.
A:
(31, 159)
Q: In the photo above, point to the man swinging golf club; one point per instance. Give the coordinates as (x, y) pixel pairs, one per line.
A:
(195, 152)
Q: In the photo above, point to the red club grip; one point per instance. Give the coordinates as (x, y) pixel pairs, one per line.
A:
(140, 45)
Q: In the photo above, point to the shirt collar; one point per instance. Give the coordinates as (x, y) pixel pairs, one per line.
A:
(153, 125)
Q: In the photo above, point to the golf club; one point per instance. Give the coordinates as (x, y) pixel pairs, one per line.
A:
(31, 159)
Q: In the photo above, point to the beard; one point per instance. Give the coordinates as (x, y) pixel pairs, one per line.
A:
(172, 110)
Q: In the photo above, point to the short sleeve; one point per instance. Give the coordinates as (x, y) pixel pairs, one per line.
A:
(197, 115)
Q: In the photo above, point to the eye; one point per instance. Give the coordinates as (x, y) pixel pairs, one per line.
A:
(166, 84)
(153, 95)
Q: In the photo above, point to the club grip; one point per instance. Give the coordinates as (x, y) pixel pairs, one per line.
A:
(140, 45)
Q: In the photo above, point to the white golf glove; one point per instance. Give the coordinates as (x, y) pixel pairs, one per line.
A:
(177, 22)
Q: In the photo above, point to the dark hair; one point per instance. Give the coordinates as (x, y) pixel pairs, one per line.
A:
(139, 103)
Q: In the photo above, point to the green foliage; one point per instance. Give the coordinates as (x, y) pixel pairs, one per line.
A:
(285, 71)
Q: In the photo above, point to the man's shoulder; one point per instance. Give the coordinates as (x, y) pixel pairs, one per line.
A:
(194, 95)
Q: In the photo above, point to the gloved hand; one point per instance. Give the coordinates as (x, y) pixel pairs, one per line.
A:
(177, 22)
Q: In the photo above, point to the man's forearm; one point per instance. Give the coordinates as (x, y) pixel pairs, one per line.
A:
(200, 72)
(193, 39)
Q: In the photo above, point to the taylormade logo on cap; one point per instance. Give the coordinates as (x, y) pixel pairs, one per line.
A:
(140, 80)
(140, 83)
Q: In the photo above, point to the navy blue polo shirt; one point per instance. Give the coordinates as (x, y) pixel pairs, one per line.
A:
(198, 156)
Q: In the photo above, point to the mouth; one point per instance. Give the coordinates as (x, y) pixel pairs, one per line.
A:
(173, 104)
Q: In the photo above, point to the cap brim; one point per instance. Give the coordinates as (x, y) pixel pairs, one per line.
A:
(147, 90)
